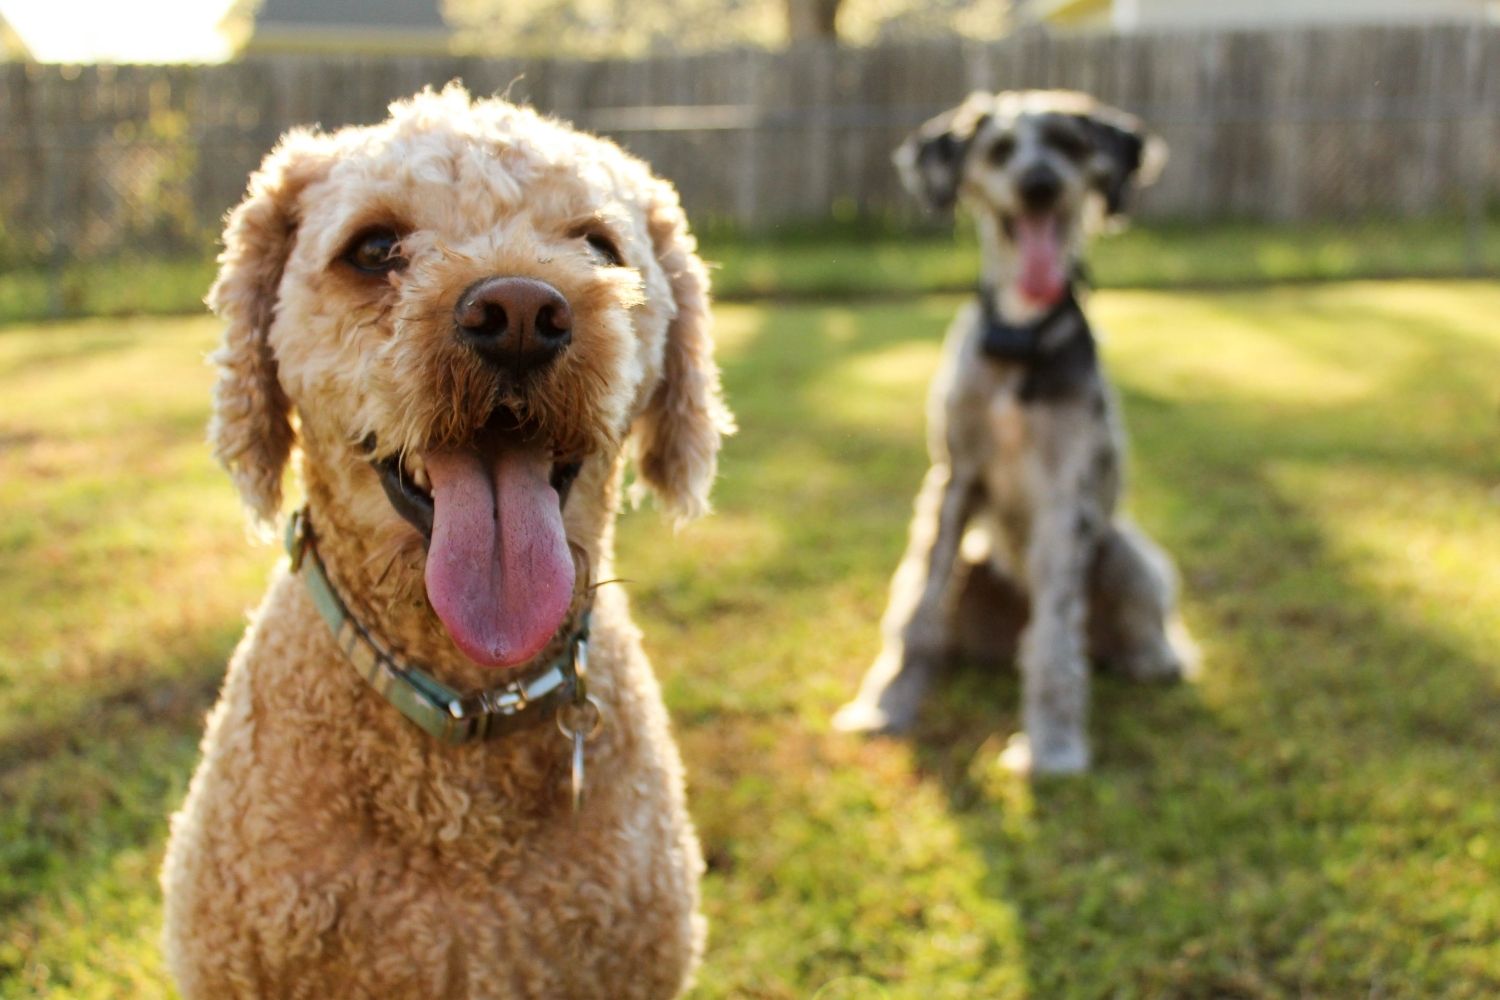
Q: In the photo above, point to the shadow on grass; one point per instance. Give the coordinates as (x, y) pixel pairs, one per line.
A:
(176, 696)
(69, 346)
(1300, 815)
(1279, 830)
(1314, 817)
(99, 777)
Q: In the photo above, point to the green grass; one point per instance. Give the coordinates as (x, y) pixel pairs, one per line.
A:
(882, 261)
(125, 287)
(841, 260)
(1319, 816)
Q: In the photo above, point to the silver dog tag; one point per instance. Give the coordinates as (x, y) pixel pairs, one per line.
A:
(578, 777)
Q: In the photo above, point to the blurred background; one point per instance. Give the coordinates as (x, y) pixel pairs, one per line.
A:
(1356, 137)
(1303, 324)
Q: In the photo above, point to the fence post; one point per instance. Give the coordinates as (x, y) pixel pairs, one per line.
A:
(820, 146)
(747, 193)
(50, 134)
(1475, 127)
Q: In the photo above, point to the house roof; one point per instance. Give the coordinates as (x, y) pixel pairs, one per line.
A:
(1130, 14)
(1070, 11)
(12, 46)
(401, 26)
(411, 14)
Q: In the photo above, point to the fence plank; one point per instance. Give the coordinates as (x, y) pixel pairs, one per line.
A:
(1293, 124)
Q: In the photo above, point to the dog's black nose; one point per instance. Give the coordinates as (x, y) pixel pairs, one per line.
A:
(1039, 187)
(515, 324)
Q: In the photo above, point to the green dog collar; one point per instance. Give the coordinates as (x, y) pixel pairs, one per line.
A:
(444, 713)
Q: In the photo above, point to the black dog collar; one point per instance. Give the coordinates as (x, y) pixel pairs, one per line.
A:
(1057, 350)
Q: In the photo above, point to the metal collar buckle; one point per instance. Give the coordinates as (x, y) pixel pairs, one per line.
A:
(296, 537)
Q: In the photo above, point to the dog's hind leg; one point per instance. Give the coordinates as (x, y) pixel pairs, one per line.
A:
(917, 619)
(1133, 625)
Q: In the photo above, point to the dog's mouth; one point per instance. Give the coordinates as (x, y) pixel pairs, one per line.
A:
(408, 484)
(499, 571)
(1040, 241)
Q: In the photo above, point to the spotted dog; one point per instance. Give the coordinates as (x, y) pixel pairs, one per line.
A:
(1016, 548)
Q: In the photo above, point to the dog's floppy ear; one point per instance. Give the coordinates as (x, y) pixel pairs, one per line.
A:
(1126, 156)
(931, 159)
(679, 431)
(251, 428)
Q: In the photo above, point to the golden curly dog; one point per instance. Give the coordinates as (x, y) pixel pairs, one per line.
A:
(463, 320)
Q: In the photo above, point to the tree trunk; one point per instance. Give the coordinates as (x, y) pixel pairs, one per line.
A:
(812, 20)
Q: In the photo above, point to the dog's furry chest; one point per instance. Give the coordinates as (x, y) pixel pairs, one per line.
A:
(388, 923)
(355, 859)
(1032, 456)
(1009, 431)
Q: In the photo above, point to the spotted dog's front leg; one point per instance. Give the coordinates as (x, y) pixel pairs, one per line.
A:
(915, 625)
(1054, 664)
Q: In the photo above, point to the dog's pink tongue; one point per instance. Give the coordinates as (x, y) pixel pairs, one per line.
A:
(499, 573)
(1044, 272)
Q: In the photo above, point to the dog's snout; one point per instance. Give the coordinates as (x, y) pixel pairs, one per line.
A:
(1039, 186)
(514, 324)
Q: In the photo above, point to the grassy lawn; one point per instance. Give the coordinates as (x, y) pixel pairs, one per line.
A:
(833, 260)
(1169, 255)
(1319, 816)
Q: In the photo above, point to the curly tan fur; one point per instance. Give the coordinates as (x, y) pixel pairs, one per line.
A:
(327, 846)
(682, 424)
(251, 430)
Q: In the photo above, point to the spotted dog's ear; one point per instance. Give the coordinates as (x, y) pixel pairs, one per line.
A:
(1125, 156)
(931, 159)
(679, 431)
(251, 427)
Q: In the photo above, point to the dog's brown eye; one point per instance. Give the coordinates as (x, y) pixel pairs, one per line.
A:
(605, 248)
(376, 251)
(1001, 150)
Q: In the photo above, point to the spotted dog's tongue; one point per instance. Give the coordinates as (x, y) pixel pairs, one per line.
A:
(1044, 271)
(499, 573)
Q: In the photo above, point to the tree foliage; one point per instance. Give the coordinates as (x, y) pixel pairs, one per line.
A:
(603, 28)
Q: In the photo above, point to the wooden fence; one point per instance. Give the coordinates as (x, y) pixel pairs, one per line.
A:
(1337, 124)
